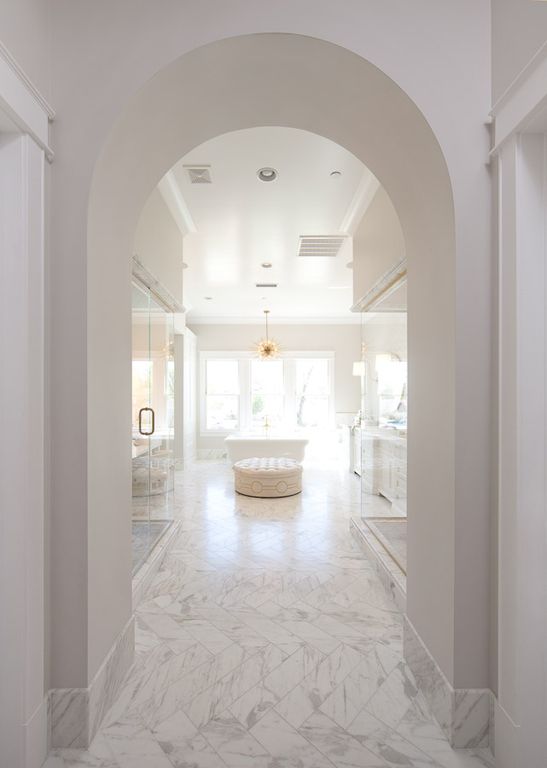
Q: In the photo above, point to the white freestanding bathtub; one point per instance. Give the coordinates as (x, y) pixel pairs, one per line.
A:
(255, 446)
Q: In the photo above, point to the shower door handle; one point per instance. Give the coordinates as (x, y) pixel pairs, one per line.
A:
(142, 410)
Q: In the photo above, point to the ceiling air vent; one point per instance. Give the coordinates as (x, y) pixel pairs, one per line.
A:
(266, 285)
(199, 174)
(320, 245)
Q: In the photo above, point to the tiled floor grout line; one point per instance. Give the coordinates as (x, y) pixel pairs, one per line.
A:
(309, 742)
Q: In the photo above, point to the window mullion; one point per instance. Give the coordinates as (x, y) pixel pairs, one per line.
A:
(245, 395)
(289, 384)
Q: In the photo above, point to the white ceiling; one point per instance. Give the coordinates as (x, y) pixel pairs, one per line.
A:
(238, 221)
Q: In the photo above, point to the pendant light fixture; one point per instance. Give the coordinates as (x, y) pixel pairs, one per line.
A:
(267, 348)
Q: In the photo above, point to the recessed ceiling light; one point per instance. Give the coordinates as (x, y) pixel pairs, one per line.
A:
(208, 298)
(267, 174)
(336, 173)
(266, 264)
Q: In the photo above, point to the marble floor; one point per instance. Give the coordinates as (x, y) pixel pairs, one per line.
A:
(267, 641)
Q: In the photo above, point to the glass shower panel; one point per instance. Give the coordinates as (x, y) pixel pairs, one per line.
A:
(152, 439)
(162, 402)
(384, 430)
(140, 415)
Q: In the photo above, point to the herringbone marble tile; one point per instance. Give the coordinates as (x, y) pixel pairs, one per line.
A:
(267, 641)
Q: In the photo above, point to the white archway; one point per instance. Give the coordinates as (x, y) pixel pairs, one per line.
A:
(301, 82)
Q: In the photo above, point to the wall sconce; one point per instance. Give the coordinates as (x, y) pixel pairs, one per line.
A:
(359, 368)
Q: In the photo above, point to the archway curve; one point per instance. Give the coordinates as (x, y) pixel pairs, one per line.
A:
(292, 81)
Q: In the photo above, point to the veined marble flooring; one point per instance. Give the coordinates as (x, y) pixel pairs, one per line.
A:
(267, 641)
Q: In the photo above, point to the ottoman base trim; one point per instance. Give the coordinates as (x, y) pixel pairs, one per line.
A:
(268, 478)
(252, 495)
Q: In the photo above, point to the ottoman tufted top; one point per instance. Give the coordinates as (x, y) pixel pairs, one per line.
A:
(267, 467)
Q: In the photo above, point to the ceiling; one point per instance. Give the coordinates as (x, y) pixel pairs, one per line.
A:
(235, 223)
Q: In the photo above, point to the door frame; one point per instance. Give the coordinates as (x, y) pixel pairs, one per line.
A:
(520, 526)
(24, 148)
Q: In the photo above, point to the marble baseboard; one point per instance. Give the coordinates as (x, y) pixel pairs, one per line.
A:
(211, 453)
(463, 713)
(35, 736)
(505, 740)
(392, 578)
(75, 714)
(148, 570)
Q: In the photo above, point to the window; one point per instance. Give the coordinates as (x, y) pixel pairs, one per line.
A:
(240, 392)
(267, 393)
(222, 395)
(312, 393)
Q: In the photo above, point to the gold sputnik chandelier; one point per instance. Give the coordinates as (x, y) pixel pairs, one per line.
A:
(267, 348)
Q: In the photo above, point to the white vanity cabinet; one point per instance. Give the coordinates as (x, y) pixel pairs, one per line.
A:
(383, 462)
(392, 467)
(355, 461)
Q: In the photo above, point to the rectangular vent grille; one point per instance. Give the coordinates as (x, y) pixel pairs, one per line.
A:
(266, 285)
(320, 245)
(199, 174)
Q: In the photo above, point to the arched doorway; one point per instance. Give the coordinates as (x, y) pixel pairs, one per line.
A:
(294, 81)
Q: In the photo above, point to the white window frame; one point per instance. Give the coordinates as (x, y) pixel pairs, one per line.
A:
(203, 358)
(289, 384)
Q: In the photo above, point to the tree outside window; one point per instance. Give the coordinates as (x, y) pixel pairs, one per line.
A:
(312, 392)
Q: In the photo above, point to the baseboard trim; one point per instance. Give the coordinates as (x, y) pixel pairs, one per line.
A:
(145, 575)
(392, 578)
(506, 739)
(211, 453)
(462, 713)
(75, 714)
(35, 736)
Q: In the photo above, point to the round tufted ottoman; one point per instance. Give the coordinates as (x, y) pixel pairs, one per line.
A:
(268, 478)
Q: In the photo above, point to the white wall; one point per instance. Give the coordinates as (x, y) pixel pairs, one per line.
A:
(343, 340)
(158, 244)
(378, 244)
(519, 29)
(25, 30)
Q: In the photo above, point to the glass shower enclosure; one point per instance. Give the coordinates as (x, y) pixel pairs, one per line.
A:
(152, 438)
(384, 406)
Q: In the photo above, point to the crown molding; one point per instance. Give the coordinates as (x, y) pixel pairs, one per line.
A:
(390, 282)
(144, 276)
(525, 97)
(170, 191)
(26, 81)
(23, 102)
(360, 203)
(259, 320)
